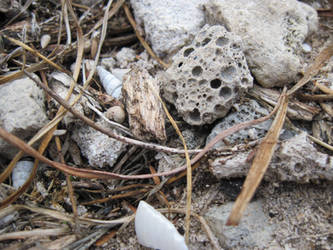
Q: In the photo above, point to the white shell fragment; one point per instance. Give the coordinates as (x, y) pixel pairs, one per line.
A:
(45, 40)
(21, 173)
(155, 231)
(111, 84)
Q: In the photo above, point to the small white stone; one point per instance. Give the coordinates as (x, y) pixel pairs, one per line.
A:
(155, 231)
(306, 47)
(45, 40)
(116, 113)
(21, 173)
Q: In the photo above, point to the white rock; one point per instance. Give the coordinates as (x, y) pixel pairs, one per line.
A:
(21, 173)
(272, 32)
(208, 76)
(45, 40)
(168, 24)
(125, 56)
(22, 111)
(247, 111)
(294, 159)
(306, 47)
(253, 232)
(116, 113)
(155, 231)
(98, 148)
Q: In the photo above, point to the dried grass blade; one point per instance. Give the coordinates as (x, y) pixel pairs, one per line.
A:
(188, 167)
(36, 53)
(110, 14)
(11, 77)
(142, 41)
(34, 233)
(260, 164)
(323, 56)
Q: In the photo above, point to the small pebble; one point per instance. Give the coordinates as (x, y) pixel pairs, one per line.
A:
(306, 47)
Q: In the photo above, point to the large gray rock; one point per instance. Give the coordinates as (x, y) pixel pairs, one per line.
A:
(294, 159)
(207, 76)
(98, 148)
(272, 32)
(254, 230)
(168, 24)
(22, 111)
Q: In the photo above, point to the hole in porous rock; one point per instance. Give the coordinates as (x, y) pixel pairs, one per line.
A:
(215, 84)
(210, 98)
(188, 51)
(218, 52)
(235, 46)
(225, 92)
(191, 81)
(244, 80)
(219, 108)
(202, 82)
(180, 64)
(195, 115)
(228, 72)
(207, 117)
(236, 89)
(174, 97)
(221, 41)
(196, 71)
(298, 167)
(204, 42)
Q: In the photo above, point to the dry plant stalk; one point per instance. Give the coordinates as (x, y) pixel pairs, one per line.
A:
(260, 164)
(145, 113)
(296, 109)
(142, 41)
(323, 56)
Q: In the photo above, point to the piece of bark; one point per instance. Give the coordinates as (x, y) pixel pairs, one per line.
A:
(296, 109)
(145, 112)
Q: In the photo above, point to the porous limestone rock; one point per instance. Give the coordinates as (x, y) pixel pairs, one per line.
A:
(272, 31)
(22, 111)
(125, 56)
(98, 148)
(168, 24)
(247, 111)
(294, 159)
(253, 232)
(207, 76)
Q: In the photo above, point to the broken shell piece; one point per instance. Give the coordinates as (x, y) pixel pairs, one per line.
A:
(45, 40)
(116, 113)
(111, 84)
(145, 112)
(21, 173)
(155, 231)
